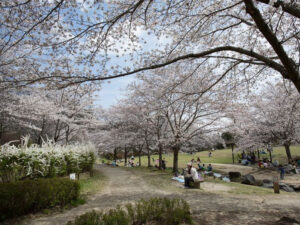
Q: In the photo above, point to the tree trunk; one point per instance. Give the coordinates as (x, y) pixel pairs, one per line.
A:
(125, 156)
(115, 154)
(67, 134)
(175, 159)
(258, 155)
(140, 161)
(288, 152)
(232, 153)
(56, 133)
(149, 157)
(1, 131)
(148, 153)
(270, 154)
(41, 133)
(160, 149)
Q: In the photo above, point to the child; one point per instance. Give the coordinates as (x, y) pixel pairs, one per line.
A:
(209, 168)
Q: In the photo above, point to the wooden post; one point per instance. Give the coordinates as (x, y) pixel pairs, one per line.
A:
(276, 185)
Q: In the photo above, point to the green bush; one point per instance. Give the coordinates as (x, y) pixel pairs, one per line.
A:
(154, 211)
(21, 197)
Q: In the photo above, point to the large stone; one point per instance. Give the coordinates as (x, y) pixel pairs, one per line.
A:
(258, 183)
(287, 220)
(235, 176)
(248, 179)
(267, 183)
(286, 187)
(296, 187)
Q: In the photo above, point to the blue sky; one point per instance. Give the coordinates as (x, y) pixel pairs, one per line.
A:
(111, 92)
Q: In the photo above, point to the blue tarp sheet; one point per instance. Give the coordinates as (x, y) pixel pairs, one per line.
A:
(181, 180)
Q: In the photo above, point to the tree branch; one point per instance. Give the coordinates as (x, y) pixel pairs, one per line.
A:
(291, 8)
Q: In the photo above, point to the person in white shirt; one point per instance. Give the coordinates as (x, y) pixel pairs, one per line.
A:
(191, 175)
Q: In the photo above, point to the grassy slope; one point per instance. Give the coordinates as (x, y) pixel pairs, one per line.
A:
(220, 156)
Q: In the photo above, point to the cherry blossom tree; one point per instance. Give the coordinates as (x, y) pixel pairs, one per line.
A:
(59, 115)
(182, 104)
(75, 40)
(272, 118)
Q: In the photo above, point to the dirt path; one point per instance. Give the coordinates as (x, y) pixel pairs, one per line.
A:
(207, 208)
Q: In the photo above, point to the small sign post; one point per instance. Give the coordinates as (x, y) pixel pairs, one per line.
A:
(72, 176)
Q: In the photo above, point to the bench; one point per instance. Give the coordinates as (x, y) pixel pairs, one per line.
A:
(196, 184)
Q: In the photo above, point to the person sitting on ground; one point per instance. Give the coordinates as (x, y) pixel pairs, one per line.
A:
(130, 163)
(193, 160)
(294, 168)
(190, 175)
(199, 167)
(244, 162)
(289, 168)
(249, 159)
(260, 164)
(275, 163)
(209, 168)
(202, 167)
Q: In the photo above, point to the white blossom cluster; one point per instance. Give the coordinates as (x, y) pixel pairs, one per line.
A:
(46, 161)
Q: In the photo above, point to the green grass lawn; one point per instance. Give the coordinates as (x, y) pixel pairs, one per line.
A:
(162, 180)
(220, 156)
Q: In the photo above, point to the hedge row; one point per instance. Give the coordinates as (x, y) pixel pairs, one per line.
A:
(155, 211)
(22, 197)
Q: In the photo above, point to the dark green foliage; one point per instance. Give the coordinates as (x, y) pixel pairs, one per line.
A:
(154, 211)
(21, 197)
(219, 145)
(228, 138)
(90, 218)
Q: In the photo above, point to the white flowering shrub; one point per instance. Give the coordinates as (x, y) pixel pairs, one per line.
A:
(50, 160)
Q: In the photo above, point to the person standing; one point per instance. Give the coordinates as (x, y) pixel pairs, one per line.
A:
(282, 171)
(209, 154)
